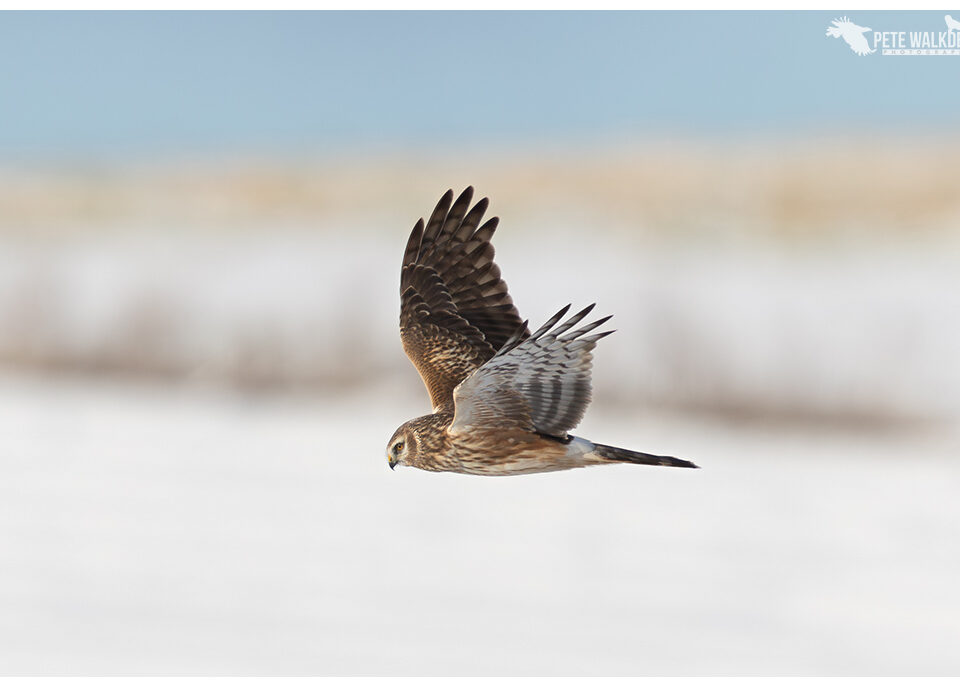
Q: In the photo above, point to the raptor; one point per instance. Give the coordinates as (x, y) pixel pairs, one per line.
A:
(504, 399)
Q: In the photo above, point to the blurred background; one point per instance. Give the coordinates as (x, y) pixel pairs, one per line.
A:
(201, 222)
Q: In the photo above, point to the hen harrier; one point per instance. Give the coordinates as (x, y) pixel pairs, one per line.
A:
(503, 398)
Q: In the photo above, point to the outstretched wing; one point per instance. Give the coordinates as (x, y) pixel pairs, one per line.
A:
(539, 384)
(455, 311)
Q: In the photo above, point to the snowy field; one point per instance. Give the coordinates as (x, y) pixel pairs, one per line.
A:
(199, 371)
(148, 529)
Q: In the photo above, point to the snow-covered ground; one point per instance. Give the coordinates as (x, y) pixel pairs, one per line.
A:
(166, 529)
(199, 373)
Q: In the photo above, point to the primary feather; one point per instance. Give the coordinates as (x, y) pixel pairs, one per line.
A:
(455, 310)
(545, 379)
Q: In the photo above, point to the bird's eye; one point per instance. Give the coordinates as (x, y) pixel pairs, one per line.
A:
(397, 447)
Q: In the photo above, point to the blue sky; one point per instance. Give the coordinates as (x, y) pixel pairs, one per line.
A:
(94, 85)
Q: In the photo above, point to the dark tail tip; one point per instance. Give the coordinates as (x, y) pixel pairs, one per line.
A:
(623, 455)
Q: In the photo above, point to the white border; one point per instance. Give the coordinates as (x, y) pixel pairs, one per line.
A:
(454, 5)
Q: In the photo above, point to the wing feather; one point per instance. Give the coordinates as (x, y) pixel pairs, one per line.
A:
(539, 383)
(455, 310)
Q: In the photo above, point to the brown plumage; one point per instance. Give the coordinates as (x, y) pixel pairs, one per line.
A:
(503, 399)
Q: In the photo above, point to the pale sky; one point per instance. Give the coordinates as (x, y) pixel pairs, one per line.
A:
(108, 85)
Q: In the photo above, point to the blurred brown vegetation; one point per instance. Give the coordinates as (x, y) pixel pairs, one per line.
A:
(807, 280)
(773, 188)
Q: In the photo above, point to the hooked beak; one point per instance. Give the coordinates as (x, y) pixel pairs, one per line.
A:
(392, 462)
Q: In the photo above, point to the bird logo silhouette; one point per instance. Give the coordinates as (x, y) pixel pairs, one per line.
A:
(952, 24)
(852, 34)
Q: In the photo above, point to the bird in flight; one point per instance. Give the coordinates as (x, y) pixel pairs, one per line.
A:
(503, 399)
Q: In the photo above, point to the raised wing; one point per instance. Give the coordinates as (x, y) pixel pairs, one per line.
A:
(538, 384)
(455, 311)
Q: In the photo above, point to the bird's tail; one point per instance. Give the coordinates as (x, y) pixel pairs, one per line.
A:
(622, 455)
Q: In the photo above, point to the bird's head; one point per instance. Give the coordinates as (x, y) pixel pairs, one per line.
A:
(403, 445)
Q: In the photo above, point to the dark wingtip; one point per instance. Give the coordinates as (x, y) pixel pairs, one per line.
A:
(466, 195)
(442, 207)
(583, 313)
(412, 249)
(602, 320)
(444, 203)
(486, 230)
(549, 324)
